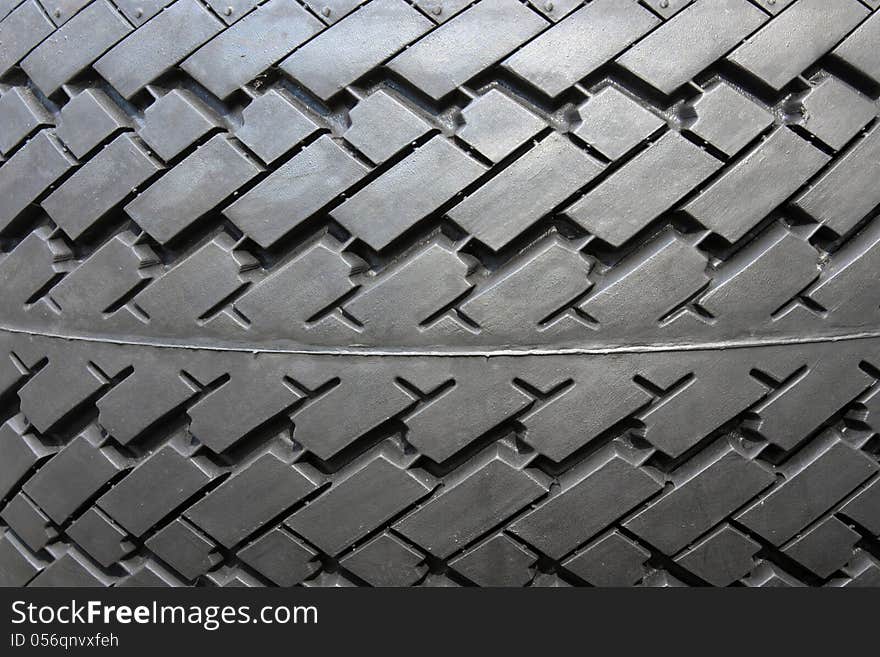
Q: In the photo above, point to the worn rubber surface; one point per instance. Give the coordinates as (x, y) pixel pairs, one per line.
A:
(439, 293)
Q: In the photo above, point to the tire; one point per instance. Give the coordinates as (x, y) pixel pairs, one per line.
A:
(498, 294)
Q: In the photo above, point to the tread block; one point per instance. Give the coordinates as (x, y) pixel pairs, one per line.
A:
(479, 36)
(858, 49)
(490, 493)
(740, 284)
(103, 278)
(192, 188)
(74, 46)
(158, 45)
(355, 45)
(273, 125)
(336, 419)
(590, 497)
(100, 538)
(496, 125)
(704, 493)
(834, 471)
(67, 572)
(140, 400)
(28, 173)
(687, 412)
(250, 498)
(411, 293)
(70, 478)
(17, 567)
(231, 412)
(20, 115)
(843, 196)
(100, 184)
(152, 490)
(835, 112)
(824, 548)
(522, 193)
(385, 561)
(30, 266)
(615, 214)
(30, 524)
(355, 506)
(785, 421)
(864, 508)
(635, 292)
(24, 27)
(185, 549)
(229, 60)
(602, 395)
(728, 119)
(20, 454)
(297, 290)
(613, 123)
(845, 286)
(193, 286)
(409, 191)
(689, 42)
(87, 119)
(610, 560)
(424, 370)
(176, 121)
(295, 191)
(475, 405)
(280, 557)
(57, 390)
(532, 290)
(381, 126)
(722, 557)
(577, 46)
(721, 206)
(802, 33)
(496, 562)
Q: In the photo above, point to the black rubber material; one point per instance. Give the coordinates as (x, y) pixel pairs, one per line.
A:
(439, 293)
